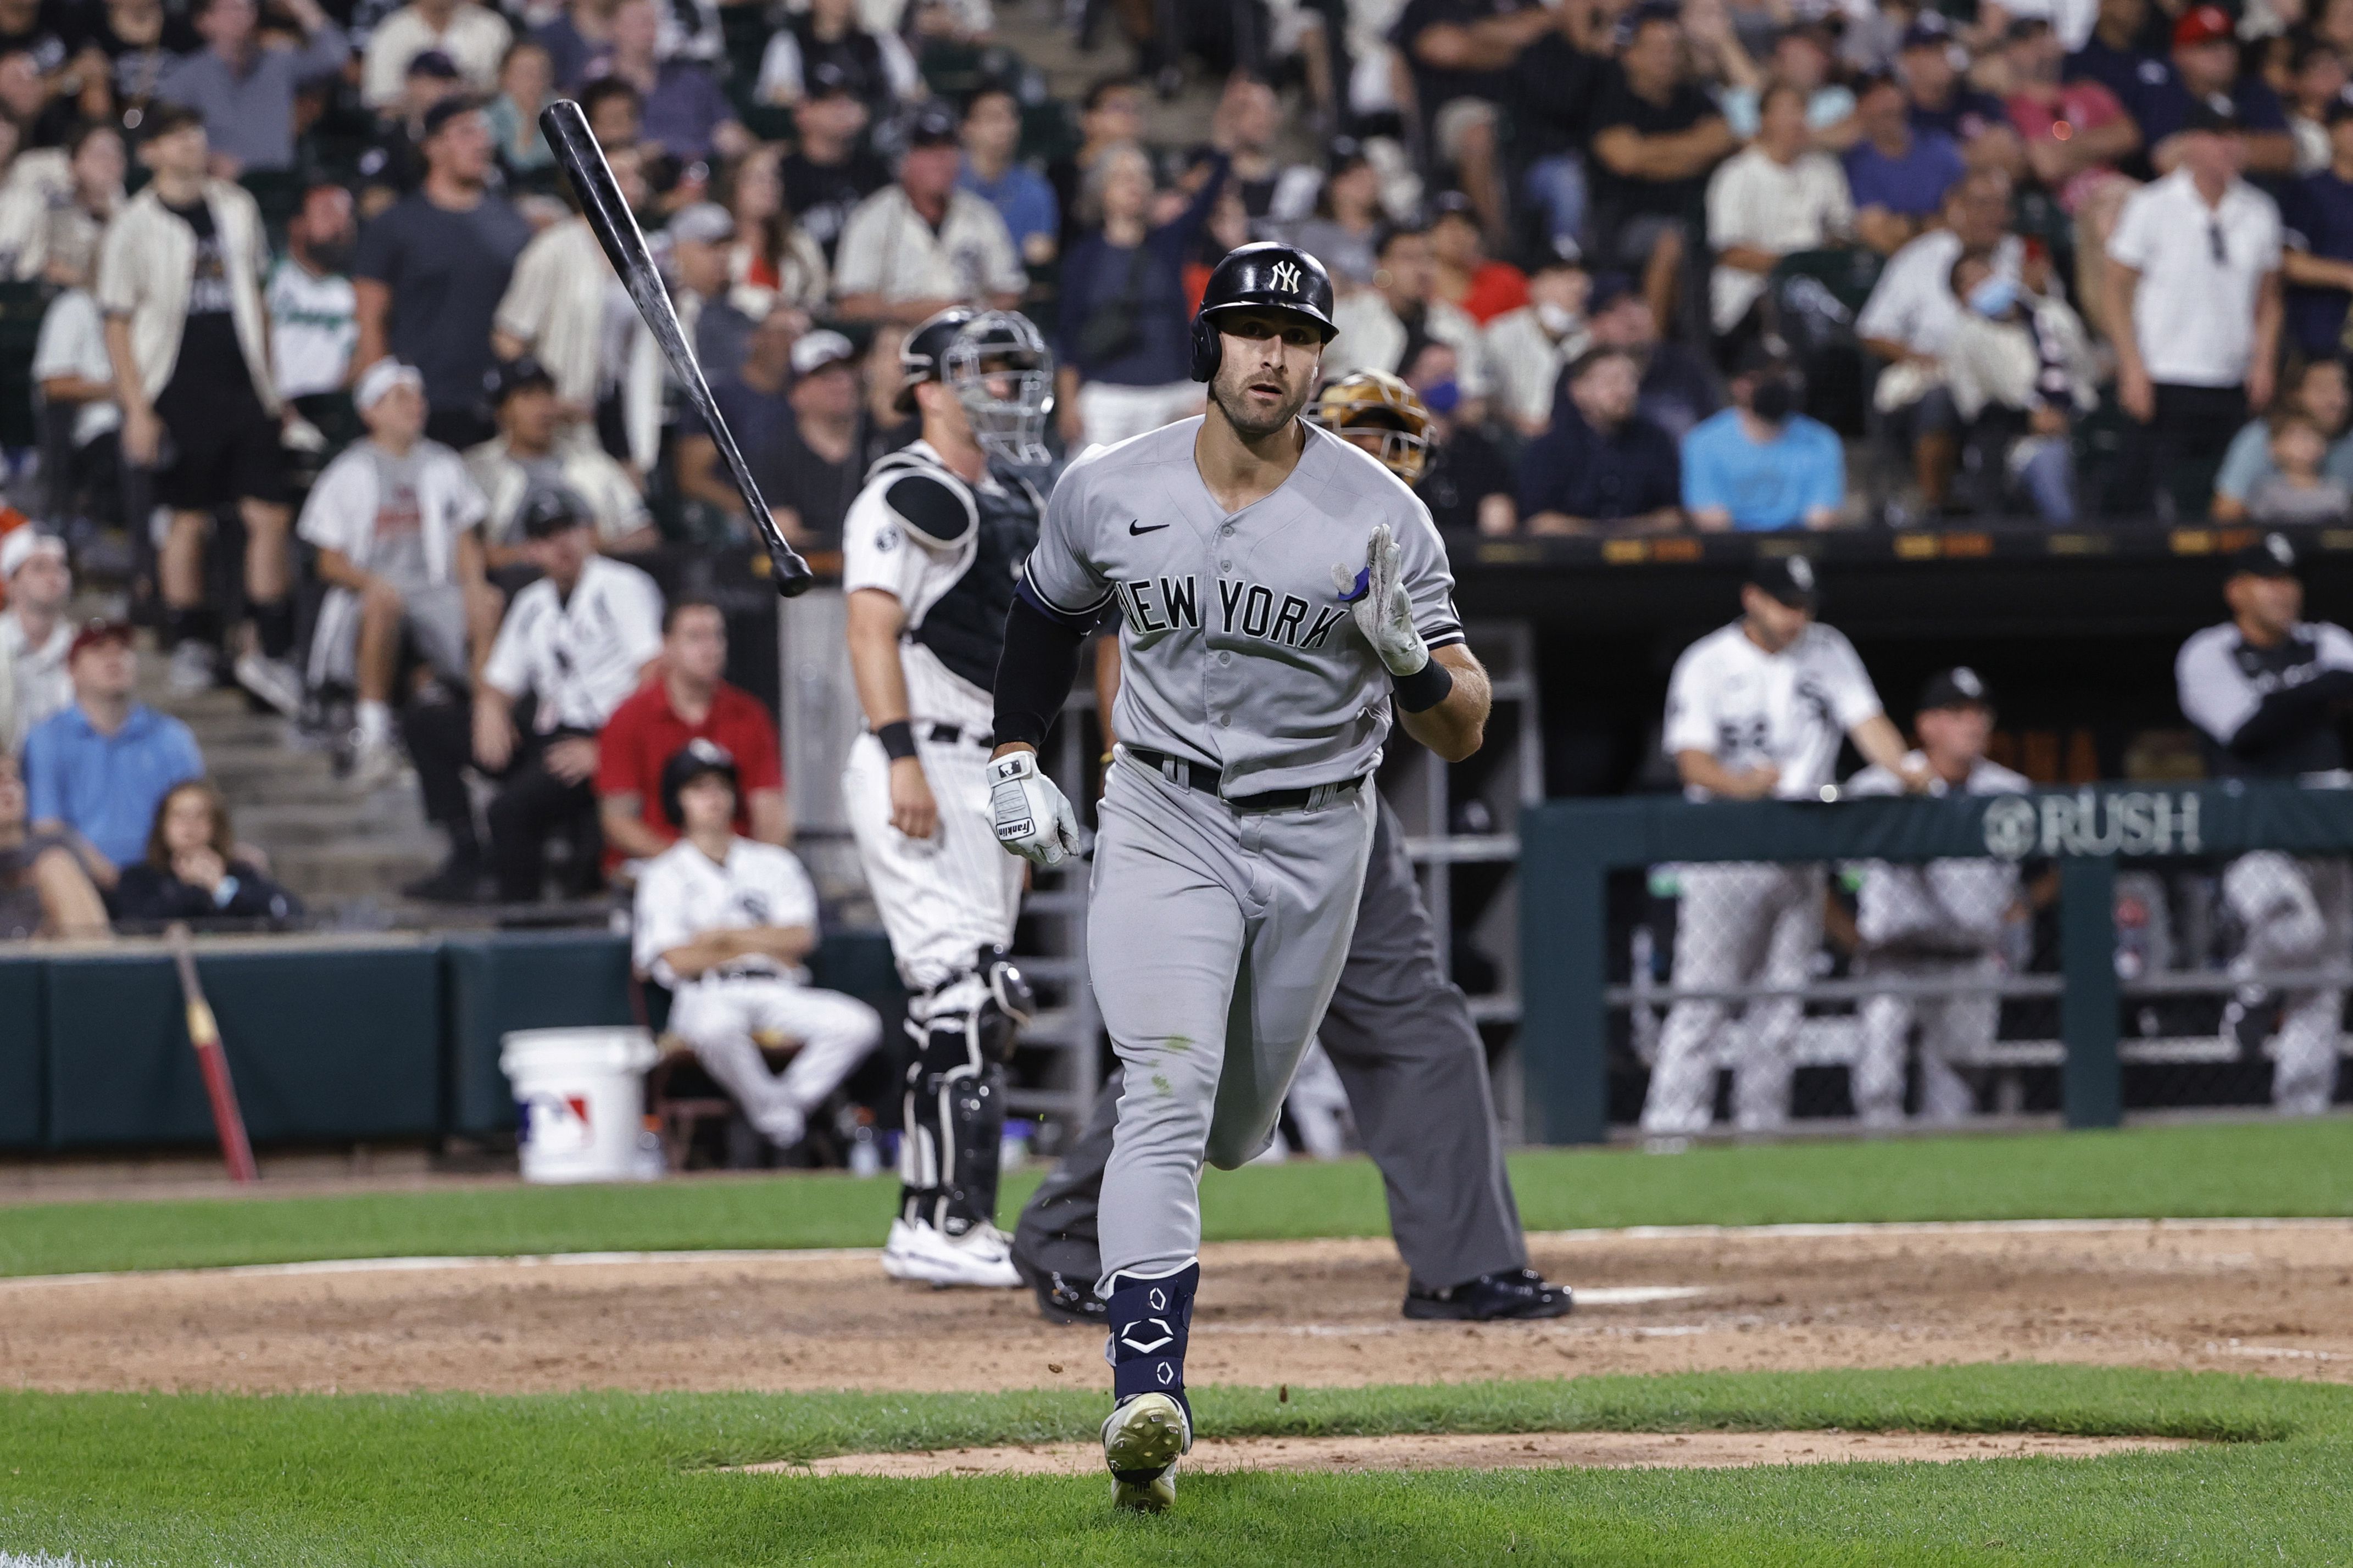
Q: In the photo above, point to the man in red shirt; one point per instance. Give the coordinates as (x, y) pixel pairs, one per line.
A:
(690, 702)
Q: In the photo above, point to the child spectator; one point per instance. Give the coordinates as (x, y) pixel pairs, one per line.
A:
(691, 701)
(1760, 464)
(99, 767)
(2298, 491)
(191, 870)
(34, 637)
(44, 891)
(186, 332)
(2321, 394)
(394, 521)
(725, 922)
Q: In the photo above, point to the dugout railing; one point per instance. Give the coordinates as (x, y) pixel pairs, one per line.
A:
(2154, 947)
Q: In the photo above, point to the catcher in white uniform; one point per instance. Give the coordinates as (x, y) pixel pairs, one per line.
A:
(1940, 920)
(930, 551)
(1755, 712)
(724, 921)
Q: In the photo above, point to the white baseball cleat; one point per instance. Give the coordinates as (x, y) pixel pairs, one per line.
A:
(1143, 1439)
(980, 1257)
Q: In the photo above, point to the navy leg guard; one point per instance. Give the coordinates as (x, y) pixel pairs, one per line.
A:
(1149, 1321)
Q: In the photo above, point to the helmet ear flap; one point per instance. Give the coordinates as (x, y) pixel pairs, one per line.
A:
(1206, 350)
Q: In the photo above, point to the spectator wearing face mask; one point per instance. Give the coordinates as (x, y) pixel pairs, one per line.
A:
(1467, 485)
(1761, 465)
(1603, 467)
(1528, 348)
(2019, 369)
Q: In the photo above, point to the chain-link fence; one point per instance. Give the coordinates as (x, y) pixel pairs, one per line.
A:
(1764, 966)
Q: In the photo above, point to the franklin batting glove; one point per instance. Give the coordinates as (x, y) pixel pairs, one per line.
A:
(1384, 610)
(1032, 818)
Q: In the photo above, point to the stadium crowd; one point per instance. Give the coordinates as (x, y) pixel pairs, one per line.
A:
(329, 368)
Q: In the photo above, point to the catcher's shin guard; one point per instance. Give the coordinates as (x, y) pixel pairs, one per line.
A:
(964, 1033)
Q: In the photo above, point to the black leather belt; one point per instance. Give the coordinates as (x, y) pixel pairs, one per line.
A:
(951, 734)
(1182, 773)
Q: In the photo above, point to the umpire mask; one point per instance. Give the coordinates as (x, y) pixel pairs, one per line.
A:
(999, 369)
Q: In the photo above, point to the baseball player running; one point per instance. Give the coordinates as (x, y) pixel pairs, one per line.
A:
(1397, 1033)
(724, 921)
(1280, 593)
(1938, 922)
(1755, 710)
(930, 550)
(2267, 687)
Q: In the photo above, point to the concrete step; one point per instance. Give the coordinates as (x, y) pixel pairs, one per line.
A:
(332, 823)
(321, 873)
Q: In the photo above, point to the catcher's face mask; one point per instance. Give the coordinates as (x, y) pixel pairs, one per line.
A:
(1382, 415)
(1000, 371)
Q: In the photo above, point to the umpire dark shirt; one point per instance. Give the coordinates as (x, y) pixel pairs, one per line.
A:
(1600, 477)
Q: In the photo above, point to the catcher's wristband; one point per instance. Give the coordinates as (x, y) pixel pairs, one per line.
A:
(898, 738)
(1425, 689)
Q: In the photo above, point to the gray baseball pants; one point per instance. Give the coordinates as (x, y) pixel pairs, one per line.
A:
(1215, 937)
(1400, 1034)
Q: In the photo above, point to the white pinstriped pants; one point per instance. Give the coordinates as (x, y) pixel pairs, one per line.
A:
(943, 898)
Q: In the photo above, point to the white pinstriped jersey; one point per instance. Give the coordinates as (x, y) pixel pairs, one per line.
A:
(1744, 707)
(682, 893)
(877, 552)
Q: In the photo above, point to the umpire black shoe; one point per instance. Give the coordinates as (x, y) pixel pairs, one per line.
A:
(1491, 1297)
(1065, 1300)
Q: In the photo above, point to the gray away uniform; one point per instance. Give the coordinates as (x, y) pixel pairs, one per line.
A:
(2271, 714)
(1217, 927)
(1400, 1034)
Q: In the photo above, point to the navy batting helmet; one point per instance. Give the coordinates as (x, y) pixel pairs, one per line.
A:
(692, 761)
(1264, 275)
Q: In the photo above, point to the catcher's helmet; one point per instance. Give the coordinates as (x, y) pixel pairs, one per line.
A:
(692, 761)
(1374, 402)
(921, 353)
(1264, 275)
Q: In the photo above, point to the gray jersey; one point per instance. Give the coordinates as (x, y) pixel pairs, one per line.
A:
(1235, 649)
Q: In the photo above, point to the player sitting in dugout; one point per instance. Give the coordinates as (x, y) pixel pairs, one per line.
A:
(725, 922)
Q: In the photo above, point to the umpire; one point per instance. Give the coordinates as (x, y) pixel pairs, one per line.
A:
(2268, 688)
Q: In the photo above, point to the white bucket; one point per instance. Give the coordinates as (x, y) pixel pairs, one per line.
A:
(581, 1095)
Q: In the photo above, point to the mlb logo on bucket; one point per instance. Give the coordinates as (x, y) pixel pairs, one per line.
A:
(558, 1123)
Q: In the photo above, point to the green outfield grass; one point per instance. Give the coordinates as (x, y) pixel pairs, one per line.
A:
(612, 1479)
(2214, 1169)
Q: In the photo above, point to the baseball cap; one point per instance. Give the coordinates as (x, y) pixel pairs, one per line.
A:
(1608, 287)
(934, 125)
(1788, 578)
(439, 117)
(2270, 556)
(22, 544)
(828, 78)
(812, 351)
(96, 632)
(2214, 113)
(380, 378)
(434, 63)
(704, 223)
(1929, 30)
(2203, 25)
(1959, 687)
(549, 509)
(508, 377)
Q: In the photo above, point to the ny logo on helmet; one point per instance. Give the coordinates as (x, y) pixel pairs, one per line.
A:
(1286, 277)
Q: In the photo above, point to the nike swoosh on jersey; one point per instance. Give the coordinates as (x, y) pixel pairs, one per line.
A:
(1135, 526)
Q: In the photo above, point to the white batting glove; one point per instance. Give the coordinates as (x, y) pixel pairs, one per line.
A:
(1384, 610)
(1032, 818)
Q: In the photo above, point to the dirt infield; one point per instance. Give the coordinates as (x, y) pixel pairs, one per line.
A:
(2244, 1298)
(1496, 1451)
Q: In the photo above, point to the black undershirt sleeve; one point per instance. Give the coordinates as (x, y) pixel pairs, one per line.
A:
(1034, 673)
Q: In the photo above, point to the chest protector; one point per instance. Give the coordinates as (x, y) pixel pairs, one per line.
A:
(988, 534)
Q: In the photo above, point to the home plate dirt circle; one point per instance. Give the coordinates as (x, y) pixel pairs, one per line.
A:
(1496, 1451)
